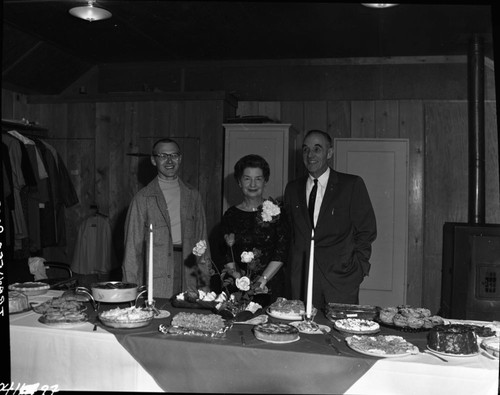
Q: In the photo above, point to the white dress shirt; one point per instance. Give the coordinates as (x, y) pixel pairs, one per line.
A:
(322, 181)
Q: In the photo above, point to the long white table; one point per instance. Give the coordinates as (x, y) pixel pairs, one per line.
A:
(78, 358)
(85, 360)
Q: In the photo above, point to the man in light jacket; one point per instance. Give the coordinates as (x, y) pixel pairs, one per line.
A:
(175, 211)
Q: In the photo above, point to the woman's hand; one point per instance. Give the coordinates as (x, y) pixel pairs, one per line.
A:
(261, 287)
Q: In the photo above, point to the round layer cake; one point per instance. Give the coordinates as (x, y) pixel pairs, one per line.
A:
(453, 339)
(276, 333)
(17, 302)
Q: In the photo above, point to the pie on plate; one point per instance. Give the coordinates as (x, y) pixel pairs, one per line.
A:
(357, 326)
(306, 329)
(276, 333)
(63, 319)
(286, 309)
(381, 346)
(30, 288)
(61, 304)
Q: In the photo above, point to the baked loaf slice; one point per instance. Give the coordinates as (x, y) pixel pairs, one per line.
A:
(203, 322)
(273, 332)
(17, 302)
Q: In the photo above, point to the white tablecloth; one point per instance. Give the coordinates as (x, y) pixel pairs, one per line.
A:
(476, 375)
(86, 360)
(77, 358)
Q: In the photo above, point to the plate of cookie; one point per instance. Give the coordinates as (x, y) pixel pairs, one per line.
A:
(408, 319)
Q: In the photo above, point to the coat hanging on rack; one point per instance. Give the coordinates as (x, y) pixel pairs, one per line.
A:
(39, 188)
(93, 249)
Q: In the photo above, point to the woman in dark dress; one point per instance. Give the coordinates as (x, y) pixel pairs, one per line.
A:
(257, 227)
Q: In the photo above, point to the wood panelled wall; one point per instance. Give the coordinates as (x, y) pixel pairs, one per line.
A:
(95, 139)
(438, 166)
(423, 101)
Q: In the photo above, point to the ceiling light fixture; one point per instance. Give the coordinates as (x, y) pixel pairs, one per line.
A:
(378, 5)
(90, 13)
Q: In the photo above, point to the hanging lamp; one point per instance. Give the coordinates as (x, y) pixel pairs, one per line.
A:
(378, 5)
(90, 13)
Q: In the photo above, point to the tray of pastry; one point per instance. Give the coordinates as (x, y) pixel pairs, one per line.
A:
(336, 311)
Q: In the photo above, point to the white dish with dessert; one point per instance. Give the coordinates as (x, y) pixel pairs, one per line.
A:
(276, 333)
(196, 324)
(283, 316)
(453, 340)
(284, 309)
(446, 354)
(130, 317)
(64, 320)
(357, 326)
(491, 346)
(32, 288)
(382, 346)
(18, 303)
(308, 330)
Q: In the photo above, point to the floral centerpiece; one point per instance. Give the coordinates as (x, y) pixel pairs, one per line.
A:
(238, 293)
(244, 287)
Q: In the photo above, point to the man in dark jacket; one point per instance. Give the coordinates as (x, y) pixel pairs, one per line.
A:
(343, 220)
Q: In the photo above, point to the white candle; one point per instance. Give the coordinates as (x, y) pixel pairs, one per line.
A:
(150, 265)
(310, 278)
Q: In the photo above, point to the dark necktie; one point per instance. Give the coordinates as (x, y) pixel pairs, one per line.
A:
(312, 200)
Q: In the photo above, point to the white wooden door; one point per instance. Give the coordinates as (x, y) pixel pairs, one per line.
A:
(383, 165)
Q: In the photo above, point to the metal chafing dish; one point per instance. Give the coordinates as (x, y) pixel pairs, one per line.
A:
(112, 292)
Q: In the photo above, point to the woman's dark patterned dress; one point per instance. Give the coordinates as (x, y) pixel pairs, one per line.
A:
(270, 238)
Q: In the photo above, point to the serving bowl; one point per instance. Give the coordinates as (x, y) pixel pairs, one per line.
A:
(131, 317)
(126, 324)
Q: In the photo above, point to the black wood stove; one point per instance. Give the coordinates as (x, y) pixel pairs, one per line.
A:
(470, 286)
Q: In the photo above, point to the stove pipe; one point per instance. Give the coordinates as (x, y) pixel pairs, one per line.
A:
(476, 132)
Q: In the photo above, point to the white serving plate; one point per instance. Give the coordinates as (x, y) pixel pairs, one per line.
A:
(337, 325)
(282, 316)
(380, 353)
(126, 324)
(445, 354)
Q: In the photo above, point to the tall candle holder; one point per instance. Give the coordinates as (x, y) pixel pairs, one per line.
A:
(150, 305)
(308, 320)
